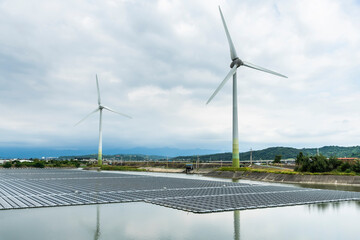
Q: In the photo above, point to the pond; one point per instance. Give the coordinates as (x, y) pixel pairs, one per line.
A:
(139, 220)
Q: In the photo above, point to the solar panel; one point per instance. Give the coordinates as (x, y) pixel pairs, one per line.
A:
(29, 188)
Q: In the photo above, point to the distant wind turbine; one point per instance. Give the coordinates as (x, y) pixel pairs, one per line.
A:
(236, 62)
(100, 108)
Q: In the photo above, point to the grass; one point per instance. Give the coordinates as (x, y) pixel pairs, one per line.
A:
(120, 168)
(288, 172)
(234, 169)
(248, 169)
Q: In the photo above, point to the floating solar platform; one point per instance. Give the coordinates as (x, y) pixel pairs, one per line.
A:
(30, 188)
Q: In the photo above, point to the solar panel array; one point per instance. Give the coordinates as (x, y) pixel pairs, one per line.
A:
(28, 188)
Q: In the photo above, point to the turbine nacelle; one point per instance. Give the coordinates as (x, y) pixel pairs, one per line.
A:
(236, 62)
(101, 107)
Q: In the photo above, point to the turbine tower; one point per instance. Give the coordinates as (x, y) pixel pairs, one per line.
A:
(236, 62)
(100, 109)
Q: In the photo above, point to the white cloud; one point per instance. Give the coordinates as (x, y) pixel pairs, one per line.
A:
(159, 61)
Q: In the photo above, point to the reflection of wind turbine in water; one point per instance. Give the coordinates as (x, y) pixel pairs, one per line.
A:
(97, 232)
(236, 220)
(100, 108)
(236, 225)
(236, 62)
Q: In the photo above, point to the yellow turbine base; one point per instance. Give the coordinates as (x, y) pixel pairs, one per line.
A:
(235, 154)
(100, 158)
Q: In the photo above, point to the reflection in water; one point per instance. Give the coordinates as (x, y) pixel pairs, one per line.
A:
(330, 187)
(236, 219)
(97, 232)
(236, 225)
(323, 207)
(330, 221)
(97, 189)
(336, 205)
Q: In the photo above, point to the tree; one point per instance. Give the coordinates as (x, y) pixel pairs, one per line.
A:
(319, 164)
(356, 167)
(345, 166)
(299, 158)
(277, 159)
(7, 165)
(334, 163)
(18, 164)
(39, 164)
(303, 162)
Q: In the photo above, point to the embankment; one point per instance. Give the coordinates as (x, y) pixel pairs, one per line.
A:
(288, 178)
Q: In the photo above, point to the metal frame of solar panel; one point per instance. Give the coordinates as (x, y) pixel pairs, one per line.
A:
(29, 188)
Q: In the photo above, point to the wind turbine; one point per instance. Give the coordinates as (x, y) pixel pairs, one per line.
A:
(100, 109)
(236, 62)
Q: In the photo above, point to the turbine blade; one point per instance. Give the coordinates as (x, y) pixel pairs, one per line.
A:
(250, 65)
(231, 45)
(111, 110)
(228, 76)
(86, 116)
(98, 90)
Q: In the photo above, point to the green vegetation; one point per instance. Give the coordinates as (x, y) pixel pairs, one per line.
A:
(277, 159)
(288, 172)
(17, 164)
(65, 163)
(262, 170)
(7, 165)
(234, 169)
(36, 163)
(309, 165)
(39, 164)
(265, 154)
(120, 168)
(320, 164)
(125, 157)
(285, 152)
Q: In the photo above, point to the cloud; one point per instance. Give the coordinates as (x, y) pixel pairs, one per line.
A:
(159, 61)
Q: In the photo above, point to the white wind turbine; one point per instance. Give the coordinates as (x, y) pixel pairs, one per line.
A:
(236, 62)
(100, 109)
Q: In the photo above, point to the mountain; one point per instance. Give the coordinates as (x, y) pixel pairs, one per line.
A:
(37, 152)
(285, 152)
(186, 154)
(125, 157)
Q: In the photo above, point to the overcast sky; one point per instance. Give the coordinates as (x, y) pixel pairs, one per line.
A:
(160, 61)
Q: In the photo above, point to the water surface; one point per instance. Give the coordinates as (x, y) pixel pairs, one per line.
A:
(146, 221)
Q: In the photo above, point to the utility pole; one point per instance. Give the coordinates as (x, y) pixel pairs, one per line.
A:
(250, 156)
(197, 163)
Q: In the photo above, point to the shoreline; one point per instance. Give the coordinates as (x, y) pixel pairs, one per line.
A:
(336, 180)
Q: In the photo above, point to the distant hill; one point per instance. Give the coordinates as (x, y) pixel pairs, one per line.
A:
(125, 157)
(141, 154)
(285, 152)
(38, 152)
